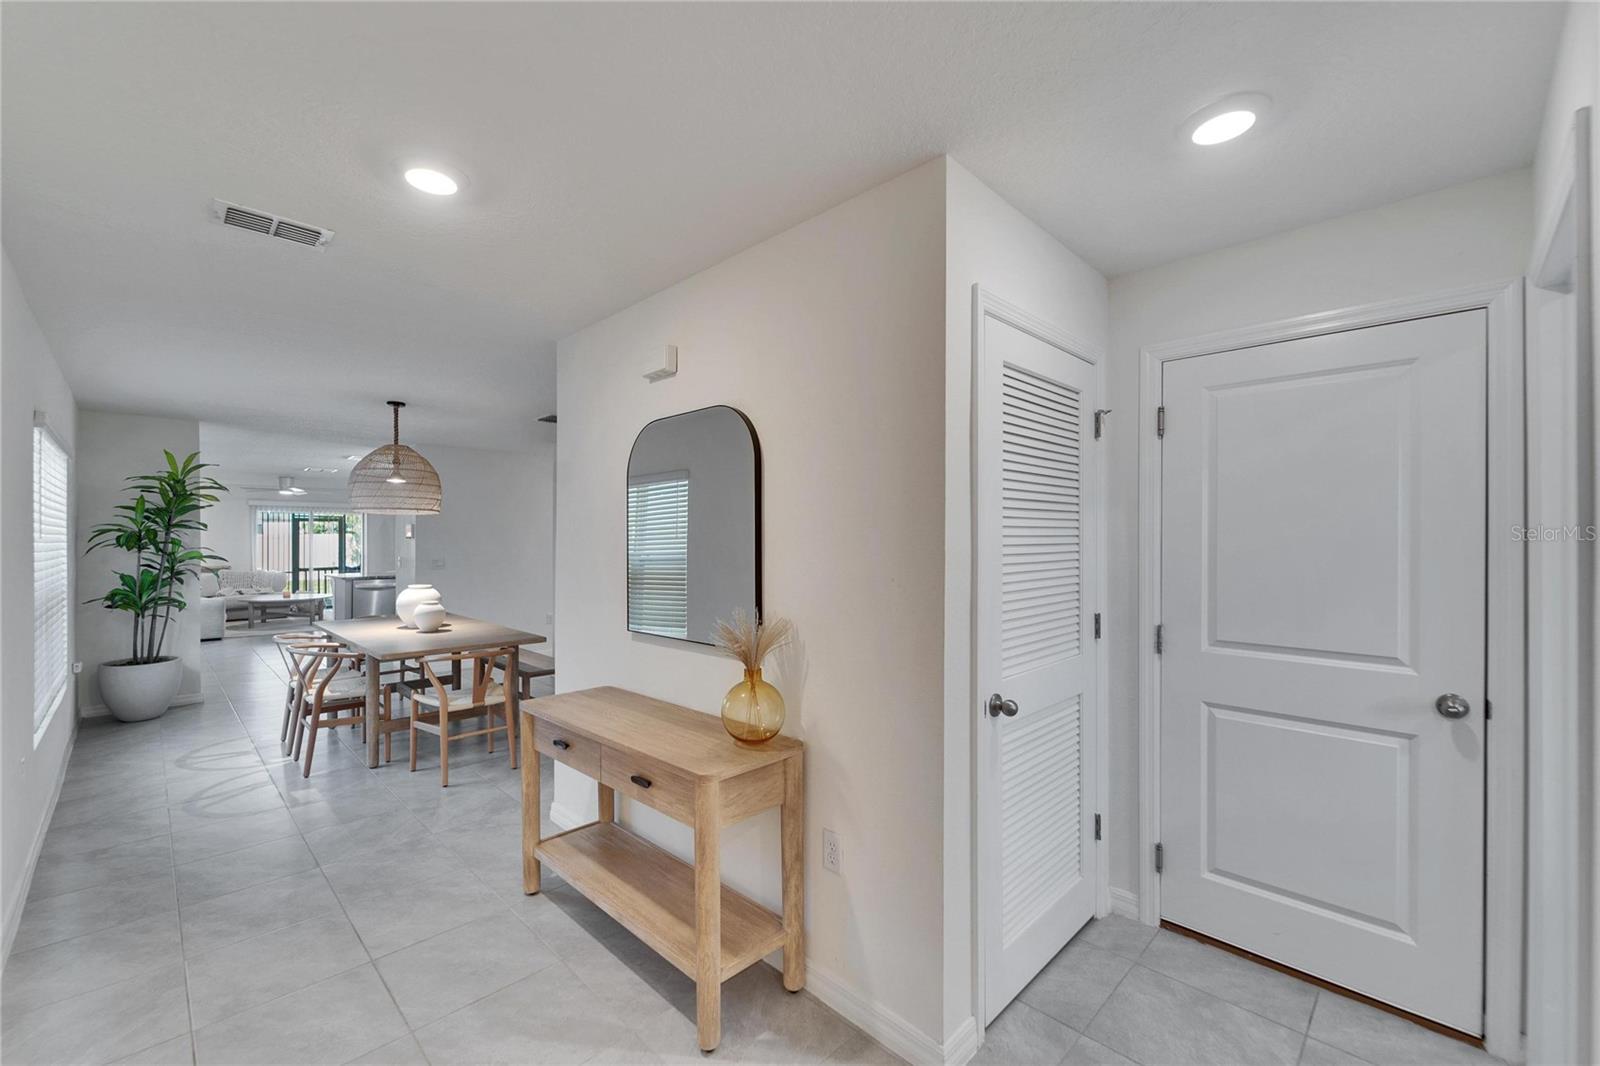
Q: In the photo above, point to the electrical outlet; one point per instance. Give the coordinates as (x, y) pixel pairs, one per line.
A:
(830, 850)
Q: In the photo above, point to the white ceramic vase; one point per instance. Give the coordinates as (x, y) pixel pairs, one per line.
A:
(428, 617)
(413, 597)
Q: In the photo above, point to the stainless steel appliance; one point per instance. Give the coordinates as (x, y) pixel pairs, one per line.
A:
(376, 595)
(372, 597)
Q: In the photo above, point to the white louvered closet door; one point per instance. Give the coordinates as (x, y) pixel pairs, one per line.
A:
(1035, 644)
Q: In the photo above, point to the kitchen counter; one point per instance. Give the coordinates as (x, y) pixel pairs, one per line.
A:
(344, 586)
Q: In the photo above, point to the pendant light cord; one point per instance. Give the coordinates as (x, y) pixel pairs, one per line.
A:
(394, 453)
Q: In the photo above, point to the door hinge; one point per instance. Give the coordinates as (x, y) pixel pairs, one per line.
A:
(1161, 421)
(1100, 421)
(1097, 827)
(1097, 625)
(1488, 704)
(1160, 642)
(1161, 859)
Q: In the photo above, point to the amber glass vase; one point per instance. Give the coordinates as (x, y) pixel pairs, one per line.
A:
(752, 712)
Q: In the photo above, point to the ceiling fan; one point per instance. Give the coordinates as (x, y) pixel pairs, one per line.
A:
(284, 487)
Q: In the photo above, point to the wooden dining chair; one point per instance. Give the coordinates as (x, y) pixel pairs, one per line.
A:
(291, 697)
(332, 693)
(434, 704)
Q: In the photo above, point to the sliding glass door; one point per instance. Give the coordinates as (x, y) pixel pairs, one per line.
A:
(310, 546)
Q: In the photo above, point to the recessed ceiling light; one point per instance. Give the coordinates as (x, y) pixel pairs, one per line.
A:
(432, 181)
(1226, 119)
(1225, 127)
(353, 458)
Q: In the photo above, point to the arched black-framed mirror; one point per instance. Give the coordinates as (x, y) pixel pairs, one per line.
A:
(693, 523)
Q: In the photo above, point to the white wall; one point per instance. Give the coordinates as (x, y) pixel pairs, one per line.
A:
(111, 447)
(1470, 233)
(990, 243)
(489, 550)
(830, 338)
(228, 531)
(1575, 84)
(29, 777)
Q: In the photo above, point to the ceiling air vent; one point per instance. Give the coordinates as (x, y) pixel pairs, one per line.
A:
(269, 224)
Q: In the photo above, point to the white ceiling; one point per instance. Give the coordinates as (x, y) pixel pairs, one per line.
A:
(613, 149)
(250, 461)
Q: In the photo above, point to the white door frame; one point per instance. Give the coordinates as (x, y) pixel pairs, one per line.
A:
(985, 303)
(1558, 849)
(1507, 622)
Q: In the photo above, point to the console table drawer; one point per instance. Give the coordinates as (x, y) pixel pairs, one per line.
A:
(565, 746)
(648, 782)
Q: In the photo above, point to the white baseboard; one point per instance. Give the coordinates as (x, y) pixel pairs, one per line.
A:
(963, 1043)
(565, 819)
(182, 699)
(13, 917)
(1125, 903)
(874, 1019)
(887, 1027)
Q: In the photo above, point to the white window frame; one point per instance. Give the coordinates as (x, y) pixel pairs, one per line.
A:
(48, 700)
(676, 477)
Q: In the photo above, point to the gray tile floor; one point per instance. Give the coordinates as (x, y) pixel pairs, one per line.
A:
(198, 901)
(1123, 992)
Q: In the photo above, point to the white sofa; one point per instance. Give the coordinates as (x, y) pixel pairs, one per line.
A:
(217, 588)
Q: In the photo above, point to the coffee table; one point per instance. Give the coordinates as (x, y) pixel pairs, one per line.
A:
(261, 607)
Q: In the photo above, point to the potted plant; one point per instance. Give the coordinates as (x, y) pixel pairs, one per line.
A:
(156, 529)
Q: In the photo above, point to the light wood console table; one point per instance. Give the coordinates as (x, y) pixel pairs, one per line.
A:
(683, 764)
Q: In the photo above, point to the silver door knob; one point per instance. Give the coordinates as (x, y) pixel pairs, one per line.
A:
(998, 706)
(1452, 706)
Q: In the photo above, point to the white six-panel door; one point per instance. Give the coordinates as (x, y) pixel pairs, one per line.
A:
(1035, 646)
(1322, 586)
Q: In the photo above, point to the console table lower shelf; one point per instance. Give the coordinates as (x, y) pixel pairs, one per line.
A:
(682, 763)
(652, 893)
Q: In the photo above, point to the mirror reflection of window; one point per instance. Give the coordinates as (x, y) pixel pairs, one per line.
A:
(658, 554)
(694, 534)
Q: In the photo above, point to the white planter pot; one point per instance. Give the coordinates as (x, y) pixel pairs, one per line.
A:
(136, 692)
(428, 617)
(408, 601)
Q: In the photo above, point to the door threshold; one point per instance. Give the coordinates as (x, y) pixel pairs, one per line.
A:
(1326, 986)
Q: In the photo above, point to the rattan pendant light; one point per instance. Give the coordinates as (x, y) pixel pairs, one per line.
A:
(394, 479)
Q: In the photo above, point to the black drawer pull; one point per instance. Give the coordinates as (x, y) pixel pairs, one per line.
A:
(642, 782)
(563, 745)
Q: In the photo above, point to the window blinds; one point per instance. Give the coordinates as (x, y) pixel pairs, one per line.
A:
(50, 561)
(658, 555)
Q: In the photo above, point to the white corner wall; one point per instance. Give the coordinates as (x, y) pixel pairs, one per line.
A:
(990, 243)
(110, 448)
(1471, 233)
(829, 337)
(30, 777)
(228, 530)
(1575, 84)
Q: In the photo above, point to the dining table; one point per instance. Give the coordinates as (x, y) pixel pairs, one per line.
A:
(388, 640)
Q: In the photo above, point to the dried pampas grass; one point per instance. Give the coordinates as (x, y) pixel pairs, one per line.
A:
(750, 640)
